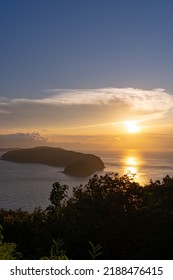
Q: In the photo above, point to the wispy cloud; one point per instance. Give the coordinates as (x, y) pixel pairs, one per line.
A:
(85, 108)
(4, 102)
(149, 100)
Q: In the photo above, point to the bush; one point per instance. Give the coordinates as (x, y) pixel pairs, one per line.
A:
(126, 220)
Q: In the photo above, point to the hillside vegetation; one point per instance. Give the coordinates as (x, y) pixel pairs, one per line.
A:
(111, 214)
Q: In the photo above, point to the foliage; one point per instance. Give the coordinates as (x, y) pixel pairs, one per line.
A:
(57, 253)
(124, 219)
(1, 236)
(8, 250)
(95, 250)
(58, 193)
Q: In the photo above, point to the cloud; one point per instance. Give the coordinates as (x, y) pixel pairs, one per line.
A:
(82, 108)
(149, 100)
(28, 140)
(3, 111)
(4, 103)
(18, 140)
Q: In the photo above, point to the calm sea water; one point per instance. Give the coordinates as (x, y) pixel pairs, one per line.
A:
(27, 186)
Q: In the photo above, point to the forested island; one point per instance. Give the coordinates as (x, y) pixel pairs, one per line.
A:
(110, 217)
(74, 163)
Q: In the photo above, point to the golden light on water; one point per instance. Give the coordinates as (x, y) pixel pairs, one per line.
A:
(131, 166)
(129, 163)
(132, 170)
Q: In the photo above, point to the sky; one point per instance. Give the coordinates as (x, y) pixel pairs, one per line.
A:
(74, 73)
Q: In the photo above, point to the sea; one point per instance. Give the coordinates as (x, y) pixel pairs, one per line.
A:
(28, 186)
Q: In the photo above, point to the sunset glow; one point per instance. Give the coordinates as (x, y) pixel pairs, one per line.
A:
(86, 135)
(132, 126)
(69, 88)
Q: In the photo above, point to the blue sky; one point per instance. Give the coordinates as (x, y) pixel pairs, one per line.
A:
(83, 67)
(84, 44)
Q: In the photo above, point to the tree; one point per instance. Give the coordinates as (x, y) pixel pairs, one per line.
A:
(58, 194)
(8, 250)
(127, 221)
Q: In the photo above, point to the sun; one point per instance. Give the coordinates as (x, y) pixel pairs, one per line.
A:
(131, 127)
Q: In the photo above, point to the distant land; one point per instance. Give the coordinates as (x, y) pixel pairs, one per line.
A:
(74, 163)
(7, 149)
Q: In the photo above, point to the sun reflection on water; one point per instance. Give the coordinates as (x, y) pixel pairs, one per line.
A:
(131, 167)
(129, 163)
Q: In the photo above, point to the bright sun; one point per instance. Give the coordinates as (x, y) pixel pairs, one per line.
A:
(131, 126)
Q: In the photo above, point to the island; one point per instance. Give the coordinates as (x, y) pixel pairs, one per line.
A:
(74, 163)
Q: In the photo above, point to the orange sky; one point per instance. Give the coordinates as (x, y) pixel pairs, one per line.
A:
(109, 118)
